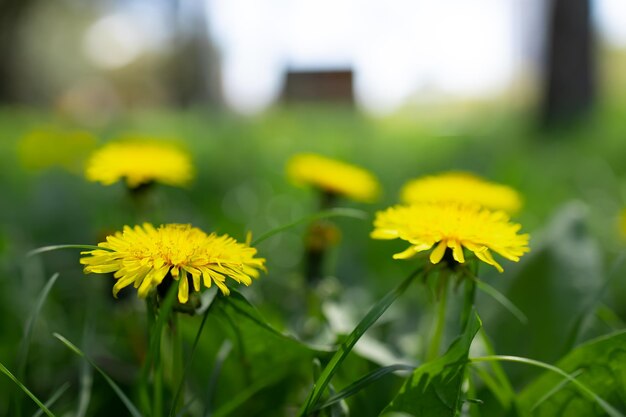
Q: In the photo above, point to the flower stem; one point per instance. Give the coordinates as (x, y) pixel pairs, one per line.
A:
(177, 362)
(318, 240)
(470, 296)
(440, 319)
(144, 395)
(157, 388)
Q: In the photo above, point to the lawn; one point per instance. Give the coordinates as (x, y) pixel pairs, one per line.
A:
(260, 350)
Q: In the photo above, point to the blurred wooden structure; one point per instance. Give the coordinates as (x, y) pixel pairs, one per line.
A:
(319, 86)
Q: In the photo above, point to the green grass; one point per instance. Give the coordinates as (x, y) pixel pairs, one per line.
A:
(241, 187)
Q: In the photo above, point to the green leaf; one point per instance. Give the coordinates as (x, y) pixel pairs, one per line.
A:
(129, 405)
(556, 389)
(257, 339)
(189, 357)
(434, 389)
(32, 396)
(494, 377)
(241, 397)
(602, 366)
(346, 347)
(361, 383)
(335, 212)
(266, 369)
(608, 408)
(554, 285)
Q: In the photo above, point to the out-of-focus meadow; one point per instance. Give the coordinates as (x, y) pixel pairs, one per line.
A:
(570, 287)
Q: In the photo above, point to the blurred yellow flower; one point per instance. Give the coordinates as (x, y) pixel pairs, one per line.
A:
(622, 223)
(452, 226)
(461, 187)
(52, 147)
(333, 177)
(140, 162)
(144, 256)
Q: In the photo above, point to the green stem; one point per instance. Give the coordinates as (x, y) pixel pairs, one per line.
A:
(440, 319)
(144, 395)
(157, 387)
(177, 363)
(470, 296)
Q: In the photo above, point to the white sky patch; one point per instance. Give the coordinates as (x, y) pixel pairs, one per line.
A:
(400, 50)
(611, 18)
(113, 41)
(118, 39)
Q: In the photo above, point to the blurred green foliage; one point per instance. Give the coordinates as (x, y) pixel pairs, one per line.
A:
(573, 181)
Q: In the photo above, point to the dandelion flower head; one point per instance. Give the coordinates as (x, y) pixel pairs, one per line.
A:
(332, 176)
(622, 223)
(144, 256)
(51, 147)
(453, 226)
(461, 187)
(140, 162)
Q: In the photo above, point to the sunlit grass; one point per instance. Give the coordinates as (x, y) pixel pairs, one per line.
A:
(280, 347)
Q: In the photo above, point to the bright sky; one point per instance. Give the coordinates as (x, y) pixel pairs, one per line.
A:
(399, 49)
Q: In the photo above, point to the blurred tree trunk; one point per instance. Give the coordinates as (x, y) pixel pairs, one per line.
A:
(569, 73)
(12, 13)
(194, 71)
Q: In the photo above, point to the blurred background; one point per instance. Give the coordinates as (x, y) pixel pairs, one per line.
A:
(529, 93)
(107, 57)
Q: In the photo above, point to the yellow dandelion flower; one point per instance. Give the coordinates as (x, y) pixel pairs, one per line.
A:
(622, 223)
(144, 256)
(332, 176)
(51, 147)
(140, 162)
(461, 187)
(452, 226)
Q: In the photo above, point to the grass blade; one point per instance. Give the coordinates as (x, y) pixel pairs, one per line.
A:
(597, 299)
(152, 359)
(335, 212)
(53, 398)
(244, 395)
(190, 357)
(222, 355)
(185, 408)
(32, 396)
(86, 384)
(22, 357)
(554, 390)
(28, 329)
(129, 405)
(346, 347)
(361, 383)
(44, 249)
(502, 388)
(608, 408)
(502, 299)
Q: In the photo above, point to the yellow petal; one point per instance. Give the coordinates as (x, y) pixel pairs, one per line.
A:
(437, 254)
(183, 290)
(457, 251)
(405, 254)
(486, 257)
